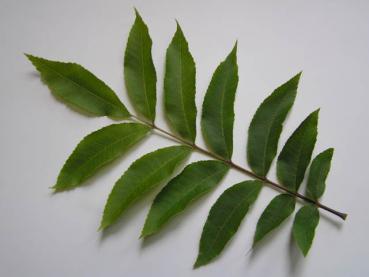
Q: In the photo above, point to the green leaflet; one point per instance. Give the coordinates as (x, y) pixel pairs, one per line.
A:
(266, 126)
(195, 180)
(142, 176)
(139, 70)
(96, 150)
(306, 220)
(217, 110)
(79, 88)
(296, 153)
(179, 87)
(224, 219)
(280, 208)
(319, 170)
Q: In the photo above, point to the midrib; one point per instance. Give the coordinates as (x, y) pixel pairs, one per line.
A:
(222, 112)
(181, 88)
(144, 76)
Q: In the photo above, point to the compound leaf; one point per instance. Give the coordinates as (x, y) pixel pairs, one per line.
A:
(139, 70)
(304, 225)
(280, 208)
(217, 110)
(98, 149)
(195, 180)
(266, 126)
(319, 170)
(179, 87)
(142, 176)
(296, 153)
(224, 219)
(79, 88)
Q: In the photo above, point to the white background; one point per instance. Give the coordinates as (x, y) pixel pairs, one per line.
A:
(55, 235)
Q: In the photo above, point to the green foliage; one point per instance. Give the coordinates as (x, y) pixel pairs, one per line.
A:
(195, 180)
(296, 154)
(224, 219)
(217, 109)
(280, 208)
(142, 176)
(139, 70)
(80, 88)
(266, 126)
(98, 149)
(179, 87)
(306, 220)
(319, 170)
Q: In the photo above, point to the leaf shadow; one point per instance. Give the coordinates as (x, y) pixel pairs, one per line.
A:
(260, 246)
(296, 263)
(337, 223)
(33, 74)
(263, 244)
(126, 218)
(295, 257)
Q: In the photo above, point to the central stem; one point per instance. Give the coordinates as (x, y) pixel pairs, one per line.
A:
(242, 169)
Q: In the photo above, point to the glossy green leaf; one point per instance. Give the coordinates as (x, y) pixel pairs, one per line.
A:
(179, 87)
(224, 219)
(98, 149)
(296, 153)
(304, 225)
(266, 126)
(79, 88)
(195, 180)
(139, 70)
(319, 170)
(280, 208)
(142, 176)
(217, 110)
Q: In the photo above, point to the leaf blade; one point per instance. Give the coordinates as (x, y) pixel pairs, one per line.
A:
(131, 186)
(195, 180)
(296, 153)
(96, 150)
(318, 174)
(139, 70)
(266, 126)
(304, 225)
(179, 87)
(79, 88)
(279, 209)
(217, 110)
(224, 219)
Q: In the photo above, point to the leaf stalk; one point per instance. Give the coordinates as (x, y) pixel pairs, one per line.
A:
(239, 168)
